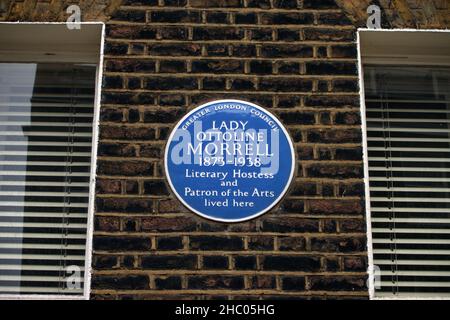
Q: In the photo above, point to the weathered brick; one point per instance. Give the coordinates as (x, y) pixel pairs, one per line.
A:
(297, 117)
(218, 33)
(120, 282)
(349, 154)
(137, 49)
(289, 224)
(175, 16)
(293, 283)
(116, 48)
(351, 189)
(288, 35)
(333, 18)
(292, 243)
(347, 118)
(285, 85)
(217, 17)
(330, 68)
(352, 225)
(288, 68)
(355, 263)
(104, 262)
(127, 168)
(322, 34)
(261, 34)
(172, 224)
(304, 189)
(162, 116)
(129, 225)
(127, 133)
(121, 243)
(260, 243)
(331, 206)
(305, 153)
(263, 282)
(335, 135)
(155, 188)
(216, 3)
(261, 67)
(172, 66)
(340, 283)
(170, 206)
(345, 86)
(335, 171)
(142, 2)
(130, 65)
(131, 187)
(338, 244)
(291, 263)
(129, 15)
(217, 66)
(116, 150)
(107, 186)
(322, 4)
(169, 243)
(173, 33)
(216, 243)
(244, 50)
(168, 283)
(214, 84)
(292, 206)
(216, 282)
(281, 18)
(174, 50)
(332, 101)
(245, 263)
(131, 32)
(329, 226)
(243, 85)
(173, 3)
(215, 262)
(263, 4)
(174, 100)
(285, 4)
(169, 262)
(150, 151)
(127, 98)
(217, 50)
(289, 101)
(287, 51)
(108, 224)
(125, 205)
(347, 51)
(171, 83)
(112, 82)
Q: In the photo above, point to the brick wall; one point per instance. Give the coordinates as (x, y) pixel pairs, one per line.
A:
(55, 10)
(295, 58)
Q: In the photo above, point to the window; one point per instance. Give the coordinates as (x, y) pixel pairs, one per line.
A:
(407, 119)
(47, 138)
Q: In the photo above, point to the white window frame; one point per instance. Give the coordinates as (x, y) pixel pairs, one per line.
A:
(394, 57)
(68, 56)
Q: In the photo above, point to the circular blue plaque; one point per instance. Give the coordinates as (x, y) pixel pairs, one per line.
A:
(229, 161)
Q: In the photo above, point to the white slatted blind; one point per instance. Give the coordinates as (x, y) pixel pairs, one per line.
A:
(408, 129)
(46, 114)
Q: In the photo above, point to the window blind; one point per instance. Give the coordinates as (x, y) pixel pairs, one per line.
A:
(46, 115)
(408, 133)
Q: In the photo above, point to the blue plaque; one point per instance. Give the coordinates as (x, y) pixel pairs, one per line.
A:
(229, 161)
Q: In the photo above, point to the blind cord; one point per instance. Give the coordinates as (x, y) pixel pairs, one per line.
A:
(390, 185)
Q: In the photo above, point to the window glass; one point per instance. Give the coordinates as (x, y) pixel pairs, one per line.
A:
(46, 115)
(408, 132)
